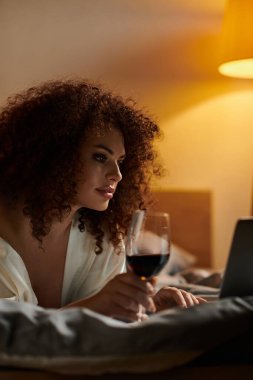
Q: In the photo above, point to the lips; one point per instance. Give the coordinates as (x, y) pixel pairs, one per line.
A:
(106, 192)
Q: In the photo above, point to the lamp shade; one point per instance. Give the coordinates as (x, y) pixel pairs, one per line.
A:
(237, 39)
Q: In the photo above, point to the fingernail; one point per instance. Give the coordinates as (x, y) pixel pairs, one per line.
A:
(152, 307)
(151, 289)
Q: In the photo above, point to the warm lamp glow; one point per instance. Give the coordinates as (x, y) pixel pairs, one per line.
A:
(242, 68)
(237, 42)
(237, 39)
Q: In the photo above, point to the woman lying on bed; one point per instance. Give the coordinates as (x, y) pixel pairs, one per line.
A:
(75, 162)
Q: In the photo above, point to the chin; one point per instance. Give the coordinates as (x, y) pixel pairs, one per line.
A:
(97, 207)
(103, 208)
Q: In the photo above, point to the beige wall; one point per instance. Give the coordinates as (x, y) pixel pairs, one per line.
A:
(209, 145)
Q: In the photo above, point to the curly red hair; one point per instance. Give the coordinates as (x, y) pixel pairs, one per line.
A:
(41, 134)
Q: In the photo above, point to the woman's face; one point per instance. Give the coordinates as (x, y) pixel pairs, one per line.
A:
(101, 157)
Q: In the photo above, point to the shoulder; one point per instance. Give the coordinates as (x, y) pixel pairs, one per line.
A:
(14, 279)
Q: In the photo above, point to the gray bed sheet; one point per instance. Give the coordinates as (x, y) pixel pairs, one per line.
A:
(79, 341)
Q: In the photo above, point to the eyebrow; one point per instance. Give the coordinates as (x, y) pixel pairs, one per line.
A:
(107, 149)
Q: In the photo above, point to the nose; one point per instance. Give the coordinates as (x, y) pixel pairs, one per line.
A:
(114, 174)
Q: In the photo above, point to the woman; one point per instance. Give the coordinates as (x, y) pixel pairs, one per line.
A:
(75, 162)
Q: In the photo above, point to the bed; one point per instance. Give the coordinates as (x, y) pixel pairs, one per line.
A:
(211, 340)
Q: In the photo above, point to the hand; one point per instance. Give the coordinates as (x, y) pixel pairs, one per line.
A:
(168, 297)
(125, 297)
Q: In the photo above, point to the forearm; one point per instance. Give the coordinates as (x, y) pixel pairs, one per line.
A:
(93, 303)
(120, 298)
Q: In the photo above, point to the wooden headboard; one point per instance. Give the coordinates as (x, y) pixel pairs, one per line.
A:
(190, 217)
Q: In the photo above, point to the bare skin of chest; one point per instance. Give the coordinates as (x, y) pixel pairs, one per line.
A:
(46, 271)
(45, 266)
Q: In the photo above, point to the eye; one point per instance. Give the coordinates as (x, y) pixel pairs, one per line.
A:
(100, 157)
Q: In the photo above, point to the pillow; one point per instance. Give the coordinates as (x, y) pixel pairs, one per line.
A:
(179, 260)
(203, 277)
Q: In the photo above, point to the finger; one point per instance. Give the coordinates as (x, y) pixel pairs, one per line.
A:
(139, 298)
(177, 296)
(120, 285)
(195, 300)
(129, 297)
(121, 313)
(189, 298)
(142, 316)
(136, 282)
(126, 302)
(201, 300)
(154, 281)
(138, 285)
(192, 300)
(124, 313)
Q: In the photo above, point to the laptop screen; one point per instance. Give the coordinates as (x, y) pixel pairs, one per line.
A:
(238, 276)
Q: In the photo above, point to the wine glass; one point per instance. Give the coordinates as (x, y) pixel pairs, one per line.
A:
(148, 243)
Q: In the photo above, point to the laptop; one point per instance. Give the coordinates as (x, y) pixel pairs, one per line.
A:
(238, 275)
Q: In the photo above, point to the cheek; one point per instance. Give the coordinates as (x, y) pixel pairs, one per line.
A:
(88, 171)
(89, 177)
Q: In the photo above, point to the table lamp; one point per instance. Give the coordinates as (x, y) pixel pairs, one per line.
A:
(237, 40)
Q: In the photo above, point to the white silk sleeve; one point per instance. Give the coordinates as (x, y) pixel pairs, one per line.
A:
(14, 280)
(86, 273)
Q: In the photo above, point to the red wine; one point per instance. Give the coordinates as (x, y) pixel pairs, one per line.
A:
(147, 265)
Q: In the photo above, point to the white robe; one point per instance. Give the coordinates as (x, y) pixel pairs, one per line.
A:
(85, 272)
